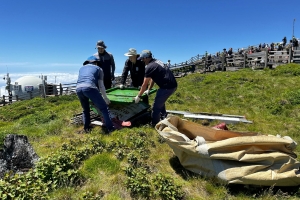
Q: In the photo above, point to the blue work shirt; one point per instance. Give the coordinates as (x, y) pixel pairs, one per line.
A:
(89, 76)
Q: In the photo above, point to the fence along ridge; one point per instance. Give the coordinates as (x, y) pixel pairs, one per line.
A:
(255, 60)
(48, 90)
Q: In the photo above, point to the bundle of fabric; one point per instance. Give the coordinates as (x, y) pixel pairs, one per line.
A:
(232, 157)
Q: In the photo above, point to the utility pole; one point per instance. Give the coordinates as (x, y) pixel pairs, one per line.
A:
(293, 26)
(8, 81)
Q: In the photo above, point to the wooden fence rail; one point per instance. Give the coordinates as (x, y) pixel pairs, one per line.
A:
(50, 90)
(263, 59)
(256, 60)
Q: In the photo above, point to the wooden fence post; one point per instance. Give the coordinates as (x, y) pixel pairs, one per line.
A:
(245, 57)
(45, 89)
(266, 59)
(290, 55)
(3, 100)
(10, 97)
(223, 61)
(60, 89)
(205, 63)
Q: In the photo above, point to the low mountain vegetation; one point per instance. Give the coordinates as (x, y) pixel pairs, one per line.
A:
(136, 163)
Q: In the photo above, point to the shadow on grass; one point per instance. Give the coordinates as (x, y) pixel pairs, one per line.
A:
(180, 170)
(256, 191)
(141, 119)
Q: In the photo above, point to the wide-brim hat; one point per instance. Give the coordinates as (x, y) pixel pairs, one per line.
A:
(131, 52)
(100, 44)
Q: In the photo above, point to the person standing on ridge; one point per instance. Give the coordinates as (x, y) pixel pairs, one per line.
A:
(168, 64)
(284, 41)
(156, 72)
(89, 83)
(135, 67)
(106, 62)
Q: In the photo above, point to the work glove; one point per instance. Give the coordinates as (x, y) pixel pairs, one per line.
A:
(98, 63)
(121, 86)
(146, 92)
(107, 101)
(137, 99)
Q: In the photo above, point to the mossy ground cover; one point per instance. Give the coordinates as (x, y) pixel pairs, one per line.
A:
(134, 163)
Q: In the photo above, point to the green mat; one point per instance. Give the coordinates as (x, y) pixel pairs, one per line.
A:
(126, 95)
(122, 103)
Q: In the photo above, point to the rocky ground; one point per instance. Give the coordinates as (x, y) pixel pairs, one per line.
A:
(119, 78)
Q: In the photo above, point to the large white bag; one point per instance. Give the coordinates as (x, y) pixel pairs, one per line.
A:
(232, 157)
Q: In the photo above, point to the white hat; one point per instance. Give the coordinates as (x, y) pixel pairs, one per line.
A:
(131, 52)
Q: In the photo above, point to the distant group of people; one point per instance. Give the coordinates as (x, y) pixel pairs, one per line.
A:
(97, 75)
(253, 49)
(275, 46)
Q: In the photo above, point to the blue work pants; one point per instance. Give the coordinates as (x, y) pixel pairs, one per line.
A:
(159, 108)
(86, 93)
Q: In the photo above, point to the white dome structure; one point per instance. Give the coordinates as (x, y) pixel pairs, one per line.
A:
(27, 87)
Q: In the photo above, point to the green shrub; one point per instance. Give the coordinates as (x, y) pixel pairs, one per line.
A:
(291, 69)
(39, 117)
(138, 182)
(166, 189)
(102, 162)
(293, 97)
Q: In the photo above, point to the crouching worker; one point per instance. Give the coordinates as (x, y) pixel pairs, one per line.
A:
(156, 72)
(89, 83)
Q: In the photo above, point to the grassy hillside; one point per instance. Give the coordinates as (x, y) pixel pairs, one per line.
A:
(135, 163)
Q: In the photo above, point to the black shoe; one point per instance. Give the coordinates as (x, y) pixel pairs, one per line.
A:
(81, 132)
(110, 131)
(107, 131)
(152, 125)
(87, 130)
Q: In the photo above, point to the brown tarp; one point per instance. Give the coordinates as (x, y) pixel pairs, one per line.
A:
(232, 157)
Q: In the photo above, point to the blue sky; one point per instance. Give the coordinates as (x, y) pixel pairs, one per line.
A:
(58, 35)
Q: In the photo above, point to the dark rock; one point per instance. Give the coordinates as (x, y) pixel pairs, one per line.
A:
(17, 155)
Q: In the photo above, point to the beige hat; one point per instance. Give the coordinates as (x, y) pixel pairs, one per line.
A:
(131, 52)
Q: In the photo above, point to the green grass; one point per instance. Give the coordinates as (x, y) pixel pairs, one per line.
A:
(125, 164)
(103, 162)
